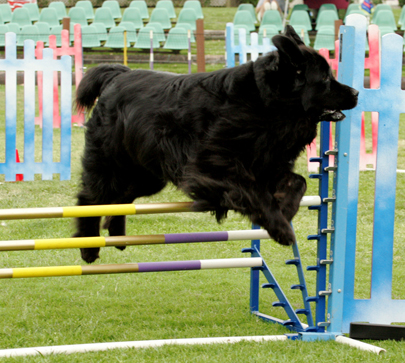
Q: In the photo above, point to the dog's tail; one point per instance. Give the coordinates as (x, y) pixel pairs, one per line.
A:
(94, 82)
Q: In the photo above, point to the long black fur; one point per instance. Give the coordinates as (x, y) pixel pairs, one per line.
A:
(228, 139)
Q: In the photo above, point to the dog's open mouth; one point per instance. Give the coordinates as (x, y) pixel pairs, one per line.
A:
(332, 115)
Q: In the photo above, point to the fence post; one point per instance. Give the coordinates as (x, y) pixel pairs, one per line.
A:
(200, 45)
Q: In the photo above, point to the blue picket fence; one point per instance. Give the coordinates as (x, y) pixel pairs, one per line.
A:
(29, 65)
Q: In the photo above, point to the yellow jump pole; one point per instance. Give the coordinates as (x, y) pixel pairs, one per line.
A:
(113, 210)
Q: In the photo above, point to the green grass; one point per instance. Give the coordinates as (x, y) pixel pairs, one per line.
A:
(87, 309)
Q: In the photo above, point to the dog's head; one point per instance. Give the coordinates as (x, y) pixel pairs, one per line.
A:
(300, 77)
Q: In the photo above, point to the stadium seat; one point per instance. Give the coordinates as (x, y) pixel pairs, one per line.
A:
(301, 18)
(327, 18)
(196, 6)
(324, 7)
(250, 8)
(300, 7)
(157, 30)
(87, 6)
(325, 38)
(187, 26)
(378, 8)
(131, 30)
(101, 31)
(33, 10)
(27, 32)
(43, 31)
(133, 15)
(168, 5)
(243, 17)
(13, 28)
(77, 15)
(385, 19)
(115, 38)
(401, 19)
(267, 31)
(5, 11)
(354, 11)
(114, 7)
(177, 39)
(104, 16)
(57, 31)
(90, 38)
(60, 8)
(49, 15)
(21, 17)
(141, 6)
(350, 9)
(3, 31)
(302, 33)
(236, 33)
(272, 17)
(161, 16)
(144, 42)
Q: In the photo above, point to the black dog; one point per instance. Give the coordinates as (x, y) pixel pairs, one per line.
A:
(228, 139)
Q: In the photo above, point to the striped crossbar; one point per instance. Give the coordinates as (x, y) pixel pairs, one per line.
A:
(111, 241)
(7, 273)
(112, 210)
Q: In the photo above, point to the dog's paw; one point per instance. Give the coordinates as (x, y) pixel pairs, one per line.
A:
(90, 254)
(284, 236)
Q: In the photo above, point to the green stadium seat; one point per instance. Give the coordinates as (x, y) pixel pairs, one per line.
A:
(243, 17)
(144, 42)
(350, 8)
(3, 31)
(177, 39)
(302, 33)
(57, 31)
(114, 7)
(77, 15)
(27, 32)
(327, 18)
(301, 18)
(131, 30)
(378, 8)
(272, 17)
(6, 13)
(157, 30)
(133, 15)
(49, 15)
(325, 38)
(33, 11)
(187, 26)
(43, 31)
(385, 19)
(13, 28)
(90, 38)
(236, 33)
(196, 6)
(104, 16)
(354, 11)
(141, 6)
(324, 7)
(267, 31)
(115, 38)
(250, 8)
(168, 5)
(161, 16)
(101, 31)
(60, 8)
(87, 6)
(21, 17)
(300, 7)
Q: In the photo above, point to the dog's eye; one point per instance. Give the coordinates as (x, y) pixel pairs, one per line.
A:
(299, 71)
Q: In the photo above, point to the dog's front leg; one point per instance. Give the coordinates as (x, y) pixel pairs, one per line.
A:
(289, 192)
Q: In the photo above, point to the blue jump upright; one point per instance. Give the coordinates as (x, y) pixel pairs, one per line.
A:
(389, 102)
(335, 304)
(11, 65)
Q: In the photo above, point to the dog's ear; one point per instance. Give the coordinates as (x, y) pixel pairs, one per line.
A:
(288, 50)
(289, 32)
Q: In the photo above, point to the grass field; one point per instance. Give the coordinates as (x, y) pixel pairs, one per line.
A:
(87, 309)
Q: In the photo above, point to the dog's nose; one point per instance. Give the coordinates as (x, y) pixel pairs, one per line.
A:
(355, 92)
